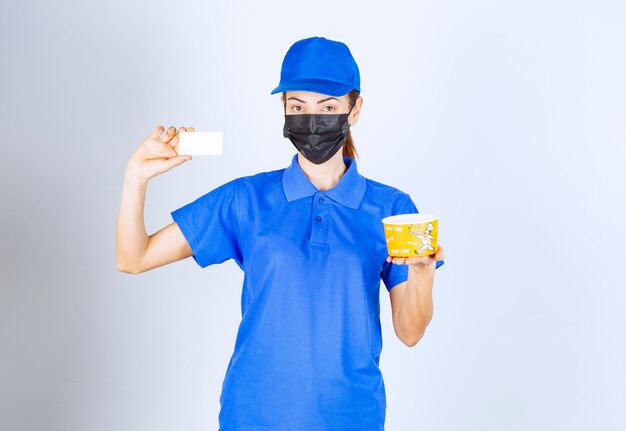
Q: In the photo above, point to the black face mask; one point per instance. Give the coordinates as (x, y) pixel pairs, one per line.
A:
(317, 136)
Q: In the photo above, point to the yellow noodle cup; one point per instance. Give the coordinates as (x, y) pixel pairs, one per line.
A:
(410, 235)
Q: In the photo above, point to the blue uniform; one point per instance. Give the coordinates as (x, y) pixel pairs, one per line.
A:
(307, 350)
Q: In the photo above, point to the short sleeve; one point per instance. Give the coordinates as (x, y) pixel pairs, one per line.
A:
(393, 274)
(211, 225)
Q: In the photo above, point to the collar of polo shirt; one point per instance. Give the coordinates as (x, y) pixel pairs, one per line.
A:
(349, 191)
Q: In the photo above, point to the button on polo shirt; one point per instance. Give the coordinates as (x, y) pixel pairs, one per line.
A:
(307, 350)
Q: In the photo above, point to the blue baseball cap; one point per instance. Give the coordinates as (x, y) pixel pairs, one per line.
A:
(319, 65)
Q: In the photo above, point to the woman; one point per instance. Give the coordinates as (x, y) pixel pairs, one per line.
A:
(310, 241)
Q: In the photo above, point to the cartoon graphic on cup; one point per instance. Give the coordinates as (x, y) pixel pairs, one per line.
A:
(425, 236)
(410, 235)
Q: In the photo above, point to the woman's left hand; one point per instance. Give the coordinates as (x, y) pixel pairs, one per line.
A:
(419, 261)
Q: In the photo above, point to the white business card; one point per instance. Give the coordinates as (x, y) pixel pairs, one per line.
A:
(200, 143)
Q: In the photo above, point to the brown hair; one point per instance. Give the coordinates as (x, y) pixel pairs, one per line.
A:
(348, 146)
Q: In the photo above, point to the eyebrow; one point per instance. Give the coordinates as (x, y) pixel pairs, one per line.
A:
(320, 101)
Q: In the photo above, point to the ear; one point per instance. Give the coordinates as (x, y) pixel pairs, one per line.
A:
(356, 111)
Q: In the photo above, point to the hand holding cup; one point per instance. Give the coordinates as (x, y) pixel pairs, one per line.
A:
(412, 239)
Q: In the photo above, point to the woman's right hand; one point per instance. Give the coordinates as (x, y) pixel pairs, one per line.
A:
(157, 154)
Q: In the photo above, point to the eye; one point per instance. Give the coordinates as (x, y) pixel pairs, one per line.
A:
(296, 108)
(331, 108)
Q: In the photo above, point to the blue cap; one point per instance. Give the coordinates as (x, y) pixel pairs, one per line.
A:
(319, 65)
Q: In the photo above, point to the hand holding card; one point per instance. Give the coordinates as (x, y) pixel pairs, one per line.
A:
(200, 143)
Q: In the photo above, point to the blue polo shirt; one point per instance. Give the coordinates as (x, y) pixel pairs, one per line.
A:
(307, 351)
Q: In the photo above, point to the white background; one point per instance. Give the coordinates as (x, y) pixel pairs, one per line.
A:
(507, 118)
